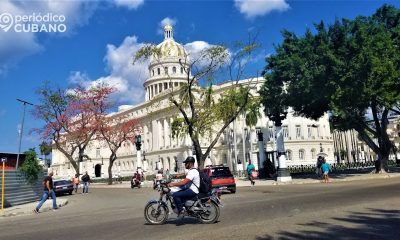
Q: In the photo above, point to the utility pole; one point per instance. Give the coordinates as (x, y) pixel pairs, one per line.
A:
(22, 129)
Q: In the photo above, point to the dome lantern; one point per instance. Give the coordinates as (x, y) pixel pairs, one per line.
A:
(168, 33)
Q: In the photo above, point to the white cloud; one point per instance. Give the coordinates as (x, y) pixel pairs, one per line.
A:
(125, 77)
(130, 4)
(164, 22)
(194, 49)
(16, 46)
(254, 8)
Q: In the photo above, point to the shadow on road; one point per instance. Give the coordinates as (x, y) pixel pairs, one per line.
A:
(376, 224)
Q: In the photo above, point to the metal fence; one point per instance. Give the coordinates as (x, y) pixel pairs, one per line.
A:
(336, 167)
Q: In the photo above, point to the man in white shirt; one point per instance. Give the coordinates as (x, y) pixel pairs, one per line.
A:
(189, 185)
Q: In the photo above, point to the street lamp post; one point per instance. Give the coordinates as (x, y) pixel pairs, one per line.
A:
(144, 161)
(22, 129)
(138, 151)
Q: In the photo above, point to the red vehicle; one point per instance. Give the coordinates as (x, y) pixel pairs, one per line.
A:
(221, 178)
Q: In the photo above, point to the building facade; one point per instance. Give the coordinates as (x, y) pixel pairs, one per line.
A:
(304, 138)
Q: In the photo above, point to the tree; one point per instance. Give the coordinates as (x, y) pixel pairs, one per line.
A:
(204, 115)
(45, 150)
(115, 133)
(350, 69)
(30, 168)
(71, 118)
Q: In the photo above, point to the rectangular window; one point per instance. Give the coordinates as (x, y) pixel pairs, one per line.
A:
(97, 152)
(298, 131)
(285, 132)
(271, 132)
(309, 131)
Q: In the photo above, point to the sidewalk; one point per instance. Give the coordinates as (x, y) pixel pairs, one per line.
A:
(27, 209)
(243, 182)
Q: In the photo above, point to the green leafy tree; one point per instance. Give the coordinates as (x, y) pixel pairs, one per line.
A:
(205, 112)
(350, 69)
(45, 150)
(31, 168)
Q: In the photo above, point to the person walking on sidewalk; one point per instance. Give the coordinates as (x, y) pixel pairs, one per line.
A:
(325, 169)
(47, 191)
(250, 169)
(76, 182)
(85, 180)
(318, 166)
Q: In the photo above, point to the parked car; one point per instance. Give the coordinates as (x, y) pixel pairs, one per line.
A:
(221, 178)
(62, 187)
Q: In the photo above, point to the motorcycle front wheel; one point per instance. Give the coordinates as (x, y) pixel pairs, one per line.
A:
(211, 213)
(155, 213)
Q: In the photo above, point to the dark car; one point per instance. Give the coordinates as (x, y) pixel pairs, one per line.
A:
(62, 187)
(221, 178)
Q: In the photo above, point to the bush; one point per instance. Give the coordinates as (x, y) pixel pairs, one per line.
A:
(30, 168)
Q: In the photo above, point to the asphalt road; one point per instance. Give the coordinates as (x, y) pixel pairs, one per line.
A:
(348, 210)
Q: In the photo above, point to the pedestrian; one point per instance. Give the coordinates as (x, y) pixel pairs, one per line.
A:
(318, 166)
(325, 169)
(47, 191)
(85, 180)
(167, 175)
(159, 175)
(76, 182)
(250, 169)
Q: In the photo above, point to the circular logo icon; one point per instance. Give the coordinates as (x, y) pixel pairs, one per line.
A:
(6, 21)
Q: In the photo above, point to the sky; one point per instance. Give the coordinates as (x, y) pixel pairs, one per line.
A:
(95, 41)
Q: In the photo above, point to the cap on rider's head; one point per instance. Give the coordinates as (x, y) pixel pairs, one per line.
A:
(189, 160)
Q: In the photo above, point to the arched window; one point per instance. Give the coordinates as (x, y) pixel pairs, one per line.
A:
(158, 71)
(166, 70)
(301, 154)
(313, 153)
(289, 154)
(152, 71)
(182, 70)
(173, 69)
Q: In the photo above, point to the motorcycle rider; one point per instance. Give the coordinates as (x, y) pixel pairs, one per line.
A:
(188, 186)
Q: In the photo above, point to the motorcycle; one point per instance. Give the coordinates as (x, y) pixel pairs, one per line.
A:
(205, 208)
(135, 182)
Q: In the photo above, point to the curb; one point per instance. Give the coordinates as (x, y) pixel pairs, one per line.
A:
(26, 209)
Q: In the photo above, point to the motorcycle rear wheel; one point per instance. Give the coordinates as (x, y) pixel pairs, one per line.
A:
(155, 213)
(211, 214)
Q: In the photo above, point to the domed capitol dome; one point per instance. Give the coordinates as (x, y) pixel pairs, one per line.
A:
(169, 48)
(168, 68)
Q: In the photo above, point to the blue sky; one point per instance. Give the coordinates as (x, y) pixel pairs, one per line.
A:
(101, 38)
